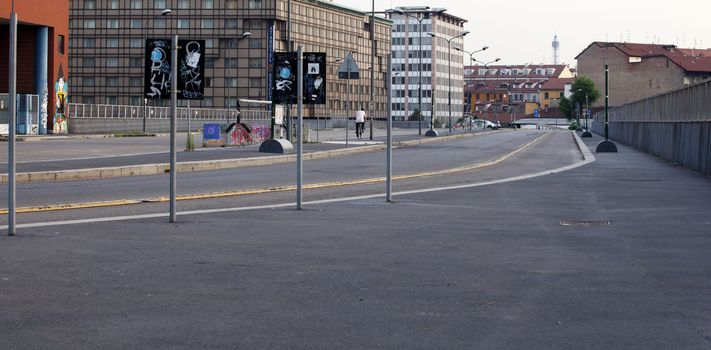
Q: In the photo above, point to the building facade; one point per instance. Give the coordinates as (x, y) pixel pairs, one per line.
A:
(506, 92)
(410, 44)
(638, 71)
(42, 60)
(107, 47)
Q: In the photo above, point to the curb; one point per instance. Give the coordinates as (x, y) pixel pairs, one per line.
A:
(207, 165)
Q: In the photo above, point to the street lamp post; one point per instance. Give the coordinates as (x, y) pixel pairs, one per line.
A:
(449, 54)
(244, 35)
(471, 61)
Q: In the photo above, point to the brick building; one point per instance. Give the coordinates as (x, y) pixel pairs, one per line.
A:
(638, 71)
(42, 37)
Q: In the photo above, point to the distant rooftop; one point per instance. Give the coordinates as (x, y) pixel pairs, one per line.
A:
(691, 60)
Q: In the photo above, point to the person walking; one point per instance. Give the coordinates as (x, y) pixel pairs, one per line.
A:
(360, 122)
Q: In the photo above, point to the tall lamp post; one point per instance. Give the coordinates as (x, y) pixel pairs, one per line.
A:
(372, 59)
(242, 36)
(471, 61)
(421, 16)
(449, 54)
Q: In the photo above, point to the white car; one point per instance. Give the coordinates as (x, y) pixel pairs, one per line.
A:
(485, 124)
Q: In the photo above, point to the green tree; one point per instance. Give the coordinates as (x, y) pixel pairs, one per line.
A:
(566, 107)
(582, 87)
(416, 115)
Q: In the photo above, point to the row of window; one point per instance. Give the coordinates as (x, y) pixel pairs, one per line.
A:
(224, 43)
(162, 4)
(412, 93)
(424, 41)
(90, 62)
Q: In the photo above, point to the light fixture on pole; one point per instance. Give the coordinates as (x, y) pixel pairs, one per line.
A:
(449, 55)
(244, 35)
(471, 61)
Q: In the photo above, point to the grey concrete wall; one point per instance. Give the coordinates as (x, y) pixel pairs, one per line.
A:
(685, 143)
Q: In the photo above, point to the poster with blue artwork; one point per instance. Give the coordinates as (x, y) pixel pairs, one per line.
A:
(212, 135)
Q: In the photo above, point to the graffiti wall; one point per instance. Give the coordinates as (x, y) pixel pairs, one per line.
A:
(234, 134)
(61, 99)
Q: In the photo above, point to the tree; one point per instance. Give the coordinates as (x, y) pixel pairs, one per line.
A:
(416, 115)
(581, 87)
(566, 107)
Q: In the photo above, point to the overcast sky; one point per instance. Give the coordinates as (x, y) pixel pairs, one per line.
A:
(521, 31)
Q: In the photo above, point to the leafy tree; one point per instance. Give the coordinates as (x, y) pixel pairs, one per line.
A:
(581, 87)
(566, 107)
(416, 115)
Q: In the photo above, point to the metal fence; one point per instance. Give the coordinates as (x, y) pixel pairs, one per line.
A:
(689, 104)
(675, 126)
(91, 111)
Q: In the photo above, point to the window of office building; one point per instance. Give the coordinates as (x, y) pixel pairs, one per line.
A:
(136, 4)
(135, 81)
(208, 102)
(114, 4)
(255, 43)
(230, 23)
(183, 4)
(255, 4)
(111, 81)
(112, 23)
(232, 4)
(88, 81)
(90, 23)
(208, 82)
(136, 23)
(255, 63)
(136, 42)
(89, 4)
(183, 23)
(60, 44)
(135, 100)
(207, 24)
(159, 23)
(209, 62)
(208, 4)
(231, 82)
(112, 61)
(111, 100)
(88, 62)
(209, 43)
(255, 82)
(135, 61)
(88, 99)
(159, 4)
(230, 63)
(112, 42)
(89, 42)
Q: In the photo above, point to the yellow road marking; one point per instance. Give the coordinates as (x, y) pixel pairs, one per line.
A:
(369, 181)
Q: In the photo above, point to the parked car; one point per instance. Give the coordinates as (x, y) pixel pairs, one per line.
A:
(485, 124)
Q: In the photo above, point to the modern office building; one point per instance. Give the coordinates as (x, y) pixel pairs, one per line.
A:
(410, 43)
(42, 65)
(108, 37)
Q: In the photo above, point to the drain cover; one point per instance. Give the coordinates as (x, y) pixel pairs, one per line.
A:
(585, 222)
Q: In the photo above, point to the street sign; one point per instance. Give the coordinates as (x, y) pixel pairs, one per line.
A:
(284, 84)
(535, 113)
(191, 69)
(156, 74)
(314, 78)
(349, 68)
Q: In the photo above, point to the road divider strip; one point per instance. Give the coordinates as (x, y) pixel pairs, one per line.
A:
(323, 185)
(204, 165)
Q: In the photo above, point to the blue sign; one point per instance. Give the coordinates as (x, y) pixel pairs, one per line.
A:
(211, 132)
(535, 113)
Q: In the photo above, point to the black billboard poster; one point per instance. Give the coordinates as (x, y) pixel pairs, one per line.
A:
(191, 69)
(314, 78)
(156, 75)
(284, 70)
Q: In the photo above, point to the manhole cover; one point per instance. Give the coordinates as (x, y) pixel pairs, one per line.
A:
(585, 222)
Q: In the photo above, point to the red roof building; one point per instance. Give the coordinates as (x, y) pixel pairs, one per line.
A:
(638, 71)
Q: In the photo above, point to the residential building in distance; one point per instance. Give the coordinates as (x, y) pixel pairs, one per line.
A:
(638, 71)
(506, 92)
(410, 43)
(42, 38)
(108, 38)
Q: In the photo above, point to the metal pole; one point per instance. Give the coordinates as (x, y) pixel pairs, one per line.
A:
(607, 98)
(419, 94)
(300, 121)
(449, 82)
(173, 122)
(11, 124)
(372, 67)
(389, 156)
(348, 93)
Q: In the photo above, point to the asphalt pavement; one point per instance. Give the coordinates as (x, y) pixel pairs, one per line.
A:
(609, 255)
